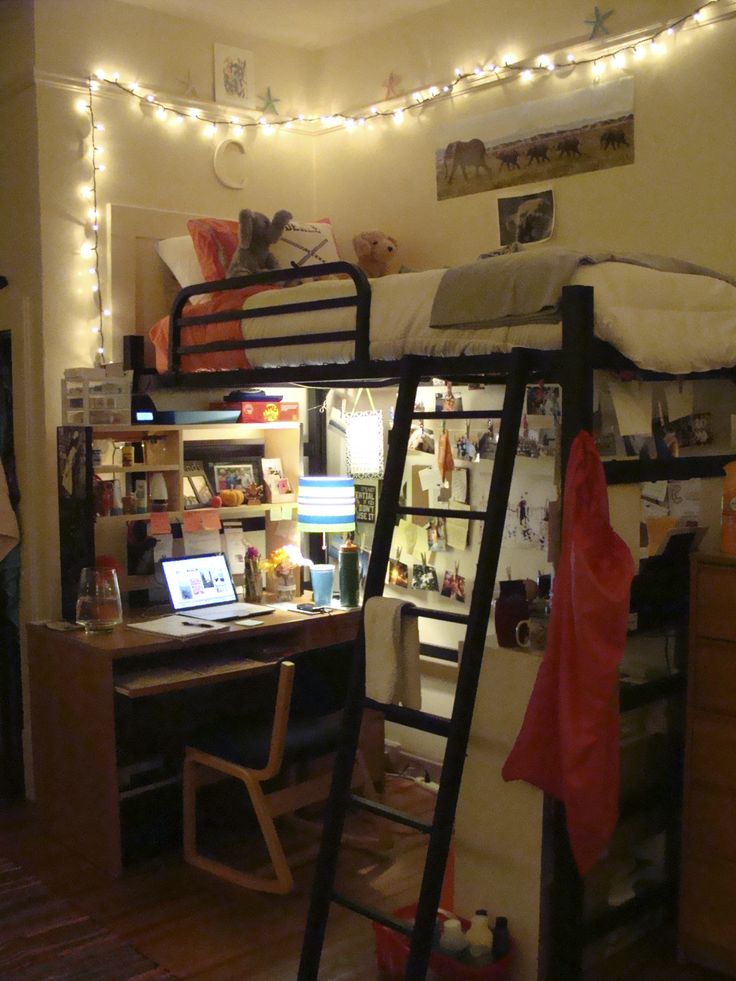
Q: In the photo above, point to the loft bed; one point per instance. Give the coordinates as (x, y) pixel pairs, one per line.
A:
(639, 316)
(342, 346)
(650, 314)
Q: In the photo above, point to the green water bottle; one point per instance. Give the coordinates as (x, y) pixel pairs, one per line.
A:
(349, 574)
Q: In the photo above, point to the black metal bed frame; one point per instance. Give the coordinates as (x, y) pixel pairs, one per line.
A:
(572, 366)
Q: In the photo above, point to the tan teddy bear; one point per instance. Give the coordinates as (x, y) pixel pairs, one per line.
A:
(378, 254)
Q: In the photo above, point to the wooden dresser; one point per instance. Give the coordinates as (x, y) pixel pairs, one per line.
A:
(707, 932)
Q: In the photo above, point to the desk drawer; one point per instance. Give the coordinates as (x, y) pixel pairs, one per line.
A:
(709, 829)
(715, 602)
(706, 914)
(712, 751)
(713, 676)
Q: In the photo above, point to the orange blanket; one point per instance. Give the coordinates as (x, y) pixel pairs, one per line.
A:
(230, 330)
(568, 745)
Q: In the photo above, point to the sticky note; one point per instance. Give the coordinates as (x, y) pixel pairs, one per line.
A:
(159, 523)
(211, 520)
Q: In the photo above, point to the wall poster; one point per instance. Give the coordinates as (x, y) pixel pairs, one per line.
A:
(590, 129)
(366, 496)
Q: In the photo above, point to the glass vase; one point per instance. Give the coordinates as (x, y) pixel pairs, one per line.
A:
(252, 583)
(99, 607)
(286, 588)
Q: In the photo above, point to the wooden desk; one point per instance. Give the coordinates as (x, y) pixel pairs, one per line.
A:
(110, 710)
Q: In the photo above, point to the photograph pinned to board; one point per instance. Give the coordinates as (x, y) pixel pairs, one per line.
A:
(465, 448)
(545, 401)
(424, 576)
(486, 441)
(234, 83)
(398, 571)
(437, 534)
(527, 517)
(538, 439)
(421, 440)
(693, 430)
(453, 584)
(447, 401)
(526, 219)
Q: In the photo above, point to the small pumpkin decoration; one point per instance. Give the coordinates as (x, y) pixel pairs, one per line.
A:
(232, 498)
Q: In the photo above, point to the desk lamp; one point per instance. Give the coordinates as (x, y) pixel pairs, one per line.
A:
(326, 504)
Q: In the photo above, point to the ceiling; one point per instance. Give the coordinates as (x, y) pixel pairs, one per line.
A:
(307, 24)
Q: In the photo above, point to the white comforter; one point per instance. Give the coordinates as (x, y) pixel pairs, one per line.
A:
(663, 321)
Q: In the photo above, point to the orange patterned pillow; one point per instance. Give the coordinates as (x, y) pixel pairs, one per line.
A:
(215, 241)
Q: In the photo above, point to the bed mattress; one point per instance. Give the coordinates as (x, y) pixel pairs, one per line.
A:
(674, 322)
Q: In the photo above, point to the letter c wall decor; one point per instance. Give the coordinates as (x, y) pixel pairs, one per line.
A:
(229, 163)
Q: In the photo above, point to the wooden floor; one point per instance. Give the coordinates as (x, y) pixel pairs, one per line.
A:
(200, 928)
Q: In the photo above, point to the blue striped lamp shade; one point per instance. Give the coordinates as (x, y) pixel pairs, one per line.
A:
(326, 504)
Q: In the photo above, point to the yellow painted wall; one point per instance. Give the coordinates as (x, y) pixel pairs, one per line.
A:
(21, 301)
(676, 199)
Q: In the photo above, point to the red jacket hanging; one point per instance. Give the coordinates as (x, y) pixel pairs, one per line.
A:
(568, 745)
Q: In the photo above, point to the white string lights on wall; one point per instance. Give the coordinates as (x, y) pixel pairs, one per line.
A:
(611, 55)
(616, 53)
(90, 250)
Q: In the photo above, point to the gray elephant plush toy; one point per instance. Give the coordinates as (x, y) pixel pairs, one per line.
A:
(257, 234)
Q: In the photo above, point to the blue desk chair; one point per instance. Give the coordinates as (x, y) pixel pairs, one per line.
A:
(262, 756)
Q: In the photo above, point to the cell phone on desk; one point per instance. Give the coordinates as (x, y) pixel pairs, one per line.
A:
(309, 608)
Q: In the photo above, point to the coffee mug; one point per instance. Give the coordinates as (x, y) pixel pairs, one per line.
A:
(532, 633)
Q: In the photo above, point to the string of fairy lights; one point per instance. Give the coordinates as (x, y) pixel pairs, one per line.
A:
(613, 56)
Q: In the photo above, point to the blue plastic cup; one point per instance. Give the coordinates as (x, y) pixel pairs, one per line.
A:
(322, 579)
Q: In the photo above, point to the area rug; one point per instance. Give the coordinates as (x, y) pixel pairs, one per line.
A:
(43, 938)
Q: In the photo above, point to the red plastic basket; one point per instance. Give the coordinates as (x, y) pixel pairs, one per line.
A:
(392, 952)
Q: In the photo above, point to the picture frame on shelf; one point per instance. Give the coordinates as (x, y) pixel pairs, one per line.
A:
(276, 483)
(237, 474)
(189, 495)
(196, 485)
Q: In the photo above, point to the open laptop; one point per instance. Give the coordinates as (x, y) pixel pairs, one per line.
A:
(201, 586)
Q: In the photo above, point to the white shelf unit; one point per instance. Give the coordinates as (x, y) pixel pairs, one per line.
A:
(164, 451)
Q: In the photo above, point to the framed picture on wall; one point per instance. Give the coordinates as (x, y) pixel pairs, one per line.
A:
(234, 76)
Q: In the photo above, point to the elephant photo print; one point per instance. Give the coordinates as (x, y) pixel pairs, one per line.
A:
(590, 129)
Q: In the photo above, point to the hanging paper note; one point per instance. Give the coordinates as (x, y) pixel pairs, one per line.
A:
(429, 477)
(201, 542)
(233, 542)
(164, 547)
(457, 528)
(632, 402)
(459, 485)
(680, 399)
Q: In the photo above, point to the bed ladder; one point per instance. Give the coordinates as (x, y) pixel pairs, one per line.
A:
(456, 730)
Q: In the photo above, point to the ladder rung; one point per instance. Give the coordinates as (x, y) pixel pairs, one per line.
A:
(401, 926)
(460, 414)
(443, 513)
(445, 615)
(413, 718)
(390, 813)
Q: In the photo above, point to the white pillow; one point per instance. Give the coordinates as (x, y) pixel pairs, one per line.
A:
(179, 255)
(305, 243)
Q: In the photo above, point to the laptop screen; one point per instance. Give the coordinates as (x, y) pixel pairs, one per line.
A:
(199, 580)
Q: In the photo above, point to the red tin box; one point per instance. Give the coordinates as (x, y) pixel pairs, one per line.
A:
(262, 411)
